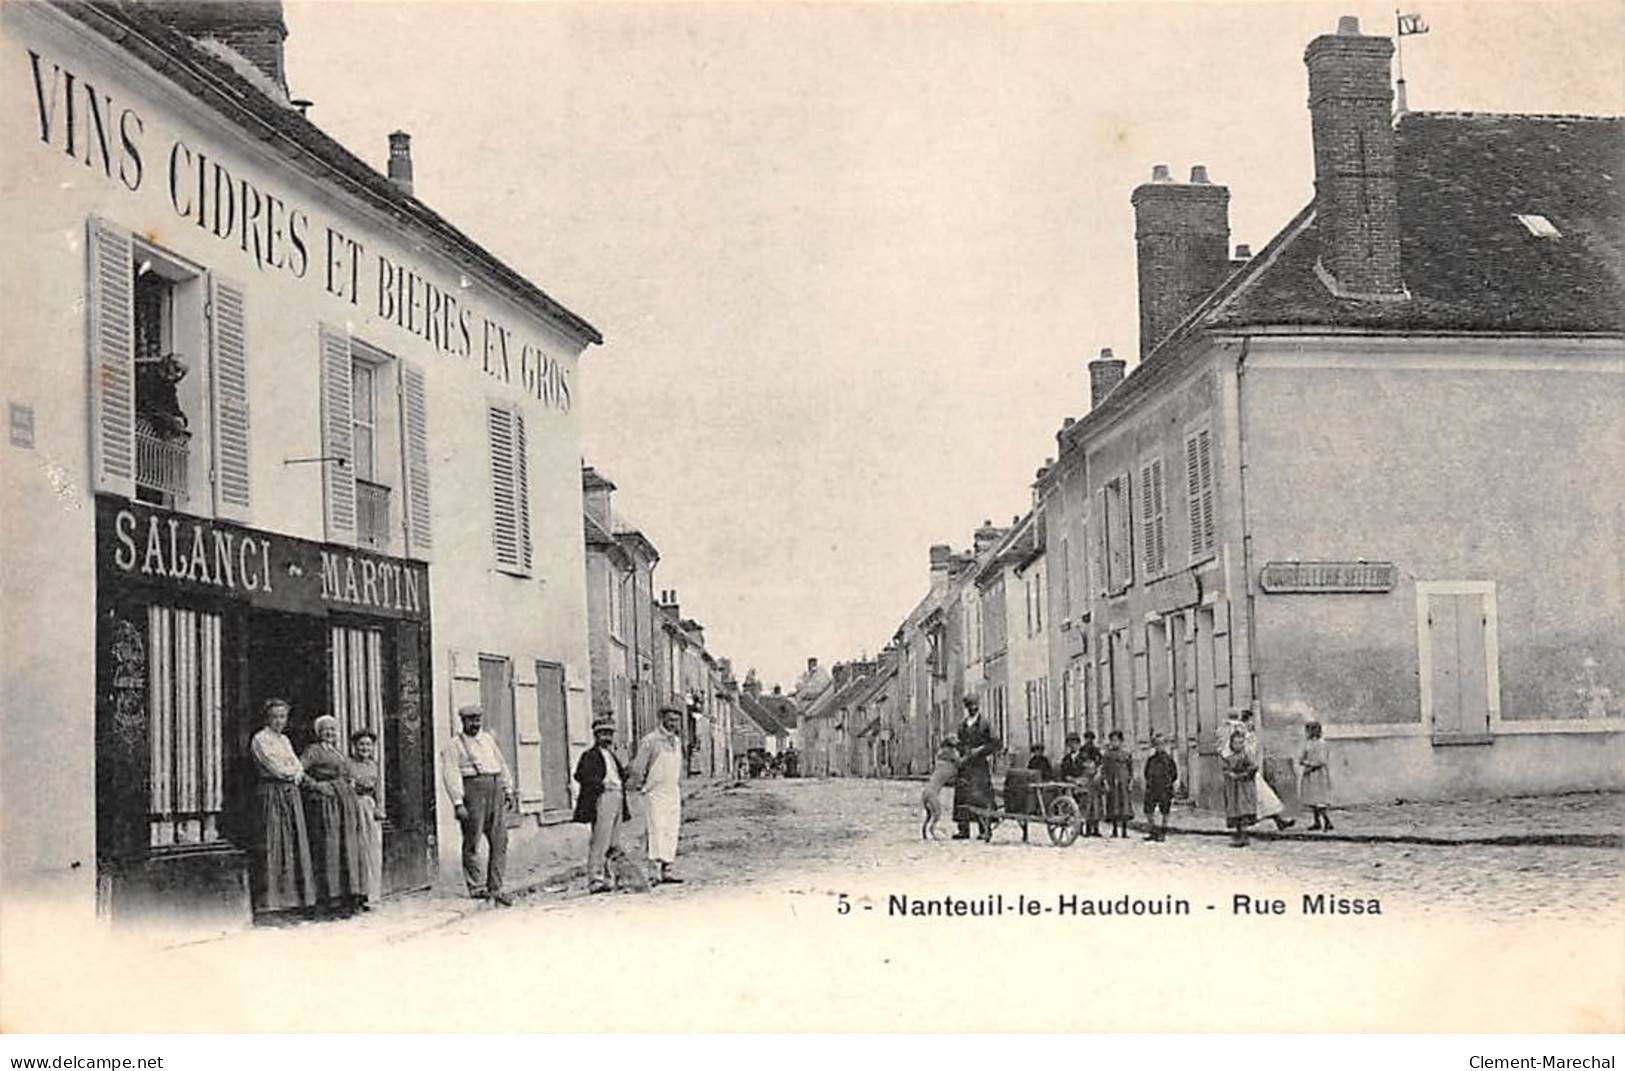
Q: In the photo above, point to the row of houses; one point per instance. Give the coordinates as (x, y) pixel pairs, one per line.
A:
(645, 655)
(276, 428)
(1368, 476)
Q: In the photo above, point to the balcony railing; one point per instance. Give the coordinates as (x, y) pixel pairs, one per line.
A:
(161, 463)
(371, 514)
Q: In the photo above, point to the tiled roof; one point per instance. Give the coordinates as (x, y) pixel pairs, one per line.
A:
(1467, 260)
(215, 83)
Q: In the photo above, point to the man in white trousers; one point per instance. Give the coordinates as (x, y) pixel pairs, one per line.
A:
(658, 771)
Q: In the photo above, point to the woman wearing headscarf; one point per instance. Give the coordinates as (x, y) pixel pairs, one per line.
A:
(364, 771)
(333, 816)
(282, 880)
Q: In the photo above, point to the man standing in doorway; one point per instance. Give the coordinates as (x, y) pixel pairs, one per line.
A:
(481, 791)
(973, 788)
(602, 800)
(658, 772)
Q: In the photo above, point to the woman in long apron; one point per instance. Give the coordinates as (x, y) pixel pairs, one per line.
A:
(334, 818)
(364, 771)
(282, 880)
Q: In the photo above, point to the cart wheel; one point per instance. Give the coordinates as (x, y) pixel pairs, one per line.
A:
(1064, 821)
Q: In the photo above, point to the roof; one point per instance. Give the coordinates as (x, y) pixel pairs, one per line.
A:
(1467, 260)
(761, 714)
(284, 130)
(1015, 548)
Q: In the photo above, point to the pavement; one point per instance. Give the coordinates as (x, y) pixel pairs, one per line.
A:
(798, 914)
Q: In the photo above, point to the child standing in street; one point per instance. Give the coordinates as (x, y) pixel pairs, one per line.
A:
(1316, 790)
(1117, 771)
(1040, 764)
(1240, 790)
(1161, 775)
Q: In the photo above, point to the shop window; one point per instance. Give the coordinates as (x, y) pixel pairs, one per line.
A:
(510, 489)
(185, 771)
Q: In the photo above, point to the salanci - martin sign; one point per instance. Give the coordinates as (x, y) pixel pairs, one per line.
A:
(1328, 578)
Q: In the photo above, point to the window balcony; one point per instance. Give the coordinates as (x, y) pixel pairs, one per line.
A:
(162, 457)
(371, 514)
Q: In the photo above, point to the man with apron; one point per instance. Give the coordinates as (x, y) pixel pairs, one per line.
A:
(481, 790)
(658, 770)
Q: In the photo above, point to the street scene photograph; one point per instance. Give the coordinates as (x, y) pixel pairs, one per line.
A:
(813, 518)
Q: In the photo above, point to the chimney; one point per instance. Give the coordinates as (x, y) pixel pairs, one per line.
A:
(400, 161)
(985, 537)
(942, 558)
(595, 492)
(812, 664)
(778, 689)
(668, 603)
(1105, 373)
(1182, 241)
(248, 34)
(1356, 196)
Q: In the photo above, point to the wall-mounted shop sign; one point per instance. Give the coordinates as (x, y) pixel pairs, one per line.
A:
(154, 547)
(1328, 578)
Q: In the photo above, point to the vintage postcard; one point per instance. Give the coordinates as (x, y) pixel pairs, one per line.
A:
(818, 518)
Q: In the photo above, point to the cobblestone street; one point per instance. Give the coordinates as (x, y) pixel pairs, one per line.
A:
(789, 894)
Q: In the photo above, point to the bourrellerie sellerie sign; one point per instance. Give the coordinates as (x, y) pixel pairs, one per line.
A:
(142, 544)
(1328, 578)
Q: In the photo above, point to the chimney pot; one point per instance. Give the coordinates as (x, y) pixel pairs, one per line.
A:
(1067, 423)
(1348, 25)
(400, 161)
(1159, 173)
(1199, 174)
(1244, 251)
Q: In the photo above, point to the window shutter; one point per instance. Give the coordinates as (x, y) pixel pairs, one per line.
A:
(338, 471)
(1160, 511)
(1205, 452)
(1148, 520)
(112, 358)
(1125, 530)
(521, 492)
(504, 528)
(229, 350)
(1193, 493)
(415, 460)
(1102, 559)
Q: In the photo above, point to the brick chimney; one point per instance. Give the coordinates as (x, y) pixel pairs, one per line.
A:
(251, 31)
(595, 492)
(668, 603)
(1105, 373)
(985, 537)
(400, 161)
(1182, 242)
(1356, 196)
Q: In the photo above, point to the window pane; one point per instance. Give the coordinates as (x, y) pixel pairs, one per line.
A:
(363, 452)
(361, 379)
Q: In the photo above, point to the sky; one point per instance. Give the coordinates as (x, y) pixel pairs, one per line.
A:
(850, 260)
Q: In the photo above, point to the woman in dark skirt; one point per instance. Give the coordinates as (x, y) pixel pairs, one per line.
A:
(338, 840)
(282, 880)
(1117, 773)
(1240, 789)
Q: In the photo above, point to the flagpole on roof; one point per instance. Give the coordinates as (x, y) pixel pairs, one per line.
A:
(1400, 106)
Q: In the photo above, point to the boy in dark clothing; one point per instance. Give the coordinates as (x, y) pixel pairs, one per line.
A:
(1072, 761)
(1040, 764)
(1161, 775)
(1091, 750)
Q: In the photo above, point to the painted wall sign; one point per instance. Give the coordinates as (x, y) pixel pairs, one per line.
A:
(143, 544)
(1328, 578)
(90, 128)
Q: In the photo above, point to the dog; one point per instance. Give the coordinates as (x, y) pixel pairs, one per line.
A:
(946, 767)
(626, 873)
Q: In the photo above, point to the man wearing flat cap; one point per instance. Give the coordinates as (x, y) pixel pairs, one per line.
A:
(658, 771)
(481, 790)
(601, 802)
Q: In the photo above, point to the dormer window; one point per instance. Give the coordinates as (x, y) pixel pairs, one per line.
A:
(1539, 226)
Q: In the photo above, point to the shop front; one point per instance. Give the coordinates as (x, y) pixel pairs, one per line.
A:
(198, 623)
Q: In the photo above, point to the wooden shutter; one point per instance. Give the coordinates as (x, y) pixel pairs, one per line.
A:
(1205, 456)
(111, 303)
(1158, 486)
(521, 487)
(229, 350)
(415, 461)
(1148, 521)
(1123, 530)
(1193, 493)
(1102, 560)
(504, 524)
(338, 470)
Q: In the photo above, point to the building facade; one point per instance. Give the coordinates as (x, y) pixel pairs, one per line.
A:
(311, 442)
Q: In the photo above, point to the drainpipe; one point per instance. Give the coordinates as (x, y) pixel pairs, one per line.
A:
(1247, 535)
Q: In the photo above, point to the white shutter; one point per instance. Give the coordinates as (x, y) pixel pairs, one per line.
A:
(415, 460)
(112, 358)
(504, 527)
(1159, 508)
(338, 471)
(1102, 552)
(229, 377)
(521, 487)
(1148, 520)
